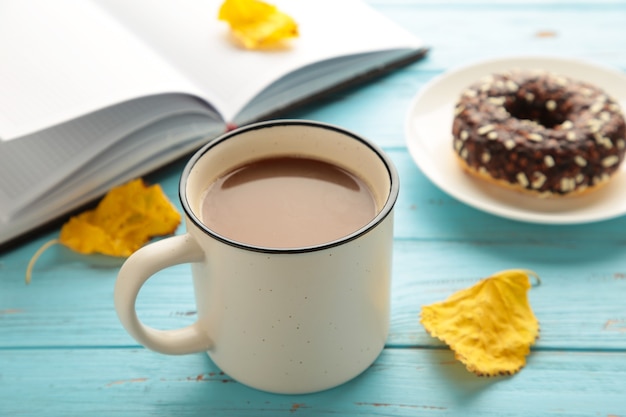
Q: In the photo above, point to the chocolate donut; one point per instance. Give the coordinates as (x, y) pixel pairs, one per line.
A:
(539, 132)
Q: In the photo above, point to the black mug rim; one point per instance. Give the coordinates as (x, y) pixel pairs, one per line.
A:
(380, 216)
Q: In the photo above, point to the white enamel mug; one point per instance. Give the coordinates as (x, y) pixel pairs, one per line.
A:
(294, 320)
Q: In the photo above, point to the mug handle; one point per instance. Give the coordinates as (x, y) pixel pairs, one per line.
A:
(135, 271)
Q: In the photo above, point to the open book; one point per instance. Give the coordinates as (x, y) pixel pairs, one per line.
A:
(95, 93)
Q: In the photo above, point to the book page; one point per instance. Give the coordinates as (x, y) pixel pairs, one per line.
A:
(188, 34)
(49, 161)
(65, 58)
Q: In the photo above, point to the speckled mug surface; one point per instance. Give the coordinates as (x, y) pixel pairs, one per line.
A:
(283, 320)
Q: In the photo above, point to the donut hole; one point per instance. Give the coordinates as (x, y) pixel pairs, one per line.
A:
(536, 111)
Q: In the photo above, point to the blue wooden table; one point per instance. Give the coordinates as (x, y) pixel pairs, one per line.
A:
(64, 353)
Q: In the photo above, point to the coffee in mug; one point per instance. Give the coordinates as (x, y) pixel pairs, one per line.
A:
(289, 237)
(287, 201)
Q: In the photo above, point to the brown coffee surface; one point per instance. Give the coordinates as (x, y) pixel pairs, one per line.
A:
(287, 202)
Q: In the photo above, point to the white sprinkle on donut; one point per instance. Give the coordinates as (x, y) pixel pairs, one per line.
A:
(551, 105)
(535, 137)
(580, 161)
(594, 125)
(509, 144)
(596, 107)
(512, 86)
(502, 112)
(521, 179)
(602, 140)
(548, 160)
(561, 81)
(538, 180)
(485, 129)
(587, 92)
(600, 179)
(498, 101)
(609, 161)
(567, 184)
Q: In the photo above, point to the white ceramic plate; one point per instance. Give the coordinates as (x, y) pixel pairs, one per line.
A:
(428, 130)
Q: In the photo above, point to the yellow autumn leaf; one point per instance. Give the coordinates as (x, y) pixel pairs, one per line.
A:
(256, 24)
(124, 220)
(489, 326)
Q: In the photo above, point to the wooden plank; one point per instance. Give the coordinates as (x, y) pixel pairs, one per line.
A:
(580, 302)
(403, 382)
(461, 31)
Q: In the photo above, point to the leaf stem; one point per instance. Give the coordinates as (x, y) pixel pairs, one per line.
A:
(40, 251)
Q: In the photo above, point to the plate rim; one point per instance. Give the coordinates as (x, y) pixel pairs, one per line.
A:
(501, 209)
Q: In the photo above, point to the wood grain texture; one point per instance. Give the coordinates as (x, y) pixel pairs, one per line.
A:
(403, 382)
(63, 351)
(580, 303)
